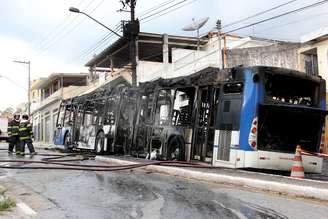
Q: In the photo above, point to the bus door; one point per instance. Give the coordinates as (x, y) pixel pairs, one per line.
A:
(64, 124)
(143, 124)
(126, 120)
(59, 135)
(111, 107)
(161, 121)
(203, 136)
(227, 125)
(87, 137)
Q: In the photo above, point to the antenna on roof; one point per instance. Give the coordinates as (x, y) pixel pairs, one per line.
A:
(196, 25)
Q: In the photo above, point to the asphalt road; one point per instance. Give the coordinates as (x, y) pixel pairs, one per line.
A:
(139, 194)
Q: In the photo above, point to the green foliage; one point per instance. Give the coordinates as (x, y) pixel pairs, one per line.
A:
(7, 203)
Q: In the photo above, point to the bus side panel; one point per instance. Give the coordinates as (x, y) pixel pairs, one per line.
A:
(253, 94)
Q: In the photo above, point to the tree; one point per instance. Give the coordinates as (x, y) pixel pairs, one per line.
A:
(8, 113)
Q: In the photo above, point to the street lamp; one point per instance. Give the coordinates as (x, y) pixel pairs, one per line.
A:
(132, 4)
(76, 10)
(28, 84)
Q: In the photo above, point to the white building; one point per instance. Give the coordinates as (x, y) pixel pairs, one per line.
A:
(47, 94)
(166, 56)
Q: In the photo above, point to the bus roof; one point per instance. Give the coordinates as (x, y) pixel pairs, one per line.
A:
(212, 75)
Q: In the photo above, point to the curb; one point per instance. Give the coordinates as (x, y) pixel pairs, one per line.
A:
(259, 184)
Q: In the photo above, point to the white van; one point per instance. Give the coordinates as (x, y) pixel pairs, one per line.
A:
(3, 129)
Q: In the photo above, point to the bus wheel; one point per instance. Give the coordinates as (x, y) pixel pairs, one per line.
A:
(176, 149)
(100, 142)
(67, 142)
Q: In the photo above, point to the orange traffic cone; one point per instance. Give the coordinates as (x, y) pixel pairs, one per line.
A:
(297, 168)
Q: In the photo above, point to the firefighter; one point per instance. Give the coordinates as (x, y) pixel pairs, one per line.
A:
(26, 135)
(13, 134)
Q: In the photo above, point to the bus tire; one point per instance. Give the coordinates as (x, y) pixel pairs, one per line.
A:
(176, 149)
(100, 143)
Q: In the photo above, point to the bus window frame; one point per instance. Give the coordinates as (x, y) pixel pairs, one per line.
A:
(193, 102)
(168, 120)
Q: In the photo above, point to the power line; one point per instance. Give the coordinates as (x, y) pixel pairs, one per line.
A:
(258, 14)
(280, 15)
(167, 8)
(60, 27)
(64, 34)
(293, 22)
(104, 39)
(12, 81)
(94, 49)
(143, 13)
(167, 12)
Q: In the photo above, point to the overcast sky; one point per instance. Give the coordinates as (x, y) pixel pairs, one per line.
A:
(55, 40)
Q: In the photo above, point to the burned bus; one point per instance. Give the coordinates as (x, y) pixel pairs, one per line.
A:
(243, 117)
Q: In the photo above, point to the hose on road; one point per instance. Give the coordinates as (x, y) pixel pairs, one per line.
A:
(56, 162)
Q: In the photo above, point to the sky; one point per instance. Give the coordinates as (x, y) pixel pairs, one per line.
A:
(56, 40)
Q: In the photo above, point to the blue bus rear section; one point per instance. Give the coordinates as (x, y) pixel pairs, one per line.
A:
(252, 96)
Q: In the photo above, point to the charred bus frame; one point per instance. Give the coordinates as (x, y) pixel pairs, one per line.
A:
(217, 116)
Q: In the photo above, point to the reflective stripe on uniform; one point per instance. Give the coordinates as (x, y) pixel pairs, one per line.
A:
(15, 127)
(22, 129)
(24, 138)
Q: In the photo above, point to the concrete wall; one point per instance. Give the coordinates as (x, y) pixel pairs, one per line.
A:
(147, 71)
(279, 55)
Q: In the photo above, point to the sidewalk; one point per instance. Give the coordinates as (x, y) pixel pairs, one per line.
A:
(260, 181)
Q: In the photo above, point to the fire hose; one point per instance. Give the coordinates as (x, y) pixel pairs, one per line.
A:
(56, 162)
(64, 162)
(324, 156)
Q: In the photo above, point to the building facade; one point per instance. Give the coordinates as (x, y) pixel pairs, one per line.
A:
(313, 59)
(47, 94)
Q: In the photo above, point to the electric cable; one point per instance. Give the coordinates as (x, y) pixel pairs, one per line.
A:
(258, 14)
(64, 34)
(167, 12)
(56, 29)
(151, 15)
(154, 8)
(280, 15)
(52, 35)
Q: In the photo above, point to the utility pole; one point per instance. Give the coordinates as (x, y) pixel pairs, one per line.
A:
(28, 85)
(133, 44)
(219, 27)
(131, 30)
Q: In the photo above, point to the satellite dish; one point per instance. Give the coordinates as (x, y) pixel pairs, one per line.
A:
(196, 25)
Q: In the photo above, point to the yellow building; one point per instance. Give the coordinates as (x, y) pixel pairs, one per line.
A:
(313, 59)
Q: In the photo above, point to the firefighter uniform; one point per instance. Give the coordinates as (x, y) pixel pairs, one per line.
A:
(13, 134)
(25, 136)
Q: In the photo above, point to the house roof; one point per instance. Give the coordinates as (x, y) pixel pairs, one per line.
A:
(120, 48)
(43, 82)
(318, 35)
